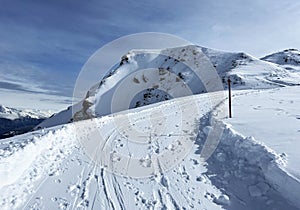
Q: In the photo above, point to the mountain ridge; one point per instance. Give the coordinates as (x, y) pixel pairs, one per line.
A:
(245, 72)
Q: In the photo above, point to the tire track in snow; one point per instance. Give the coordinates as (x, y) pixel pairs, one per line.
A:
(111, 204)
(105, 180)
(118, 192)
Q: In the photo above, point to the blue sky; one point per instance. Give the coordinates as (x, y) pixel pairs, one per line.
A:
(44, 44)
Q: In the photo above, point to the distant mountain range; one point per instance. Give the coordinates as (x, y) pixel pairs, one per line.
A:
(14, 121)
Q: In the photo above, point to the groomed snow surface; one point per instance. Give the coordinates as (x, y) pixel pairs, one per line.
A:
(254, 166)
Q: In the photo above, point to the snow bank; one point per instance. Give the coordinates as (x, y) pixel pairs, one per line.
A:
(22, 168)
(272, 166)
(271, 117)
(251, 158)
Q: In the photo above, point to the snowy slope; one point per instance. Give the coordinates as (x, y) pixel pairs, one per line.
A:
(51, 169)
(60, 118)
(273, 118)
(245, 71)
(289, 60)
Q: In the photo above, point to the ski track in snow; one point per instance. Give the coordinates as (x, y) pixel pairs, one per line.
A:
(51, 171)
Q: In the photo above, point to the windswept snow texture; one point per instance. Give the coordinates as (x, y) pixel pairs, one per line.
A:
(48, 169)
(15, 121)
(245, 71)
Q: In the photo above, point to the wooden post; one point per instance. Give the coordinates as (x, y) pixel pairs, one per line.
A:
(229, 97)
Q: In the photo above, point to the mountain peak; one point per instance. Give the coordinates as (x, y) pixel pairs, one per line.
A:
(286, 57)
(154, 69)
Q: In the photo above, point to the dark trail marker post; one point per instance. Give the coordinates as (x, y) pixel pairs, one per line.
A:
(229, 97)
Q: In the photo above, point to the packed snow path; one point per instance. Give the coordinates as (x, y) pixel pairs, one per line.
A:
(51, 169)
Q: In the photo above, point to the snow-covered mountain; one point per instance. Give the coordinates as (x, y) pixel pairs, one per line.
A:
(13, 113)
(170, 146)
(245, 71)
(16, 121)
(248, 72)
(286, 57)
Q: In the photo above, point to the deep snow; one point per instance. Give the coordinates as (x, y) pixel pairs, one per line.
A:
(54, 170)
(273, 118)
